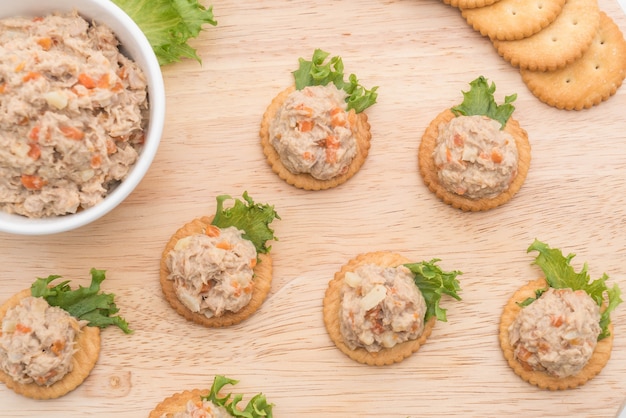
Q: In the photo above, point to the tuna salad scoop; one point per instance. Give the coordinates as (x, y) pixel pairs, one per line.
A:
(37, 342)
(212, 272)
(380, 308)
(217, 271)
(555, 332)
(315, 134)
(72, 115)
(50, 336)
(312, 132)
(475, 156)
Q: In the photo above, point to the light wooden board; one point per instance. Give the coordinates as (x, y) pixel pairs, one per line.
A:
(422, 54)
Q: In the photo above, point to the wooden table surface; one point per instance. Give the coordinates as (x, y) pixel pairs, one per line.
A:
(421, 54)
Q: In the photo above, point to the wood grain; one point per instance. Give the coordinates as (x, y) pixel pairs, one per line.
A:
(421, 54)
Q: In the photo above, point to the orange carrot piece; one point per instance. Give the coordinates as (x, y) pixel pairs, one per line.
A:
(86, 81)
(72, 132)
(23, 329)
(103, 82)
(34, 152)
(308, 111)
(45, 43)
(305, 125)
(337, 117)
(458, 140)
(496, 157)
(224, 245)
(34, 133)
(556, 320)
(96, 161)
(57, 347)
(331, 144)
(32, 182)
(117, 87)
(31, 75)
(212, 231)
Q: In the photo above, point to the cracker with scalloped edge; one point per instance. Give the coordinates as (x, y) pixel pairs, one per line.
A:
(360, 129)
(84, 360)
(177, 402)
(332, 315)
(467, 4)
(588, 81)
(510, 20)
(428, 168)
(558, 44)
(596, 363)
(262, 282)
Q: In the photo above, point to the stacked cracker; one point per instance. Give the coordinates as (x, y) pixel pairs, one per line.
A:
(570, 54)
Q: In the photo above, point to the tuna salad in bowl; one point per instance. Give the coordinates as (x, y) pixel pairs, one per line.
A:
(82, 106)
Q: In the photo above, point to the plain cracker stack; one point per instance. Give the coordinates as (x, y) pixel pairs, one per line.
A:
(558, 44)
(573, 62)
(509, 20)
(588, 81)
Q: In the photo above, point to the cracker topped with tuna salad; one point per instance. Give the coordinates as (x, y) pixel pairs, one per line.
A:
(212, 403)
(556, 331)
(73, 114)
(380, 307)
(315, 134)
(217, 271)
(50, 335)
(475, 156)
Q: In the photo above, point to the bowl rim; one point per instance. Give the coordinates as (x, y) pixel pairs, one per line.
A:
(140, 50)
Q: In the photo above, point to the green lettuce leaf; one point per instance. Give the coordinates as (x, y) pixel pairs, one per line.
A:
(434, 282)
(480, 101)
(257, 407)
(319, 72)
(84, 303)
(252, 218)
(560, 274)
(169, 24)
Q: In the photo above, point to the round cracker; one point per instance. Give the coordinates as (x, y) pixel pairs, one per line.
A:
(332, 307)
(588, 81)
(509, 20)
(262, 282)
(84, 360)
(558, 44)
(468, 4)
(362, 135)
(596, 363)
(428, 168)
(177, 402)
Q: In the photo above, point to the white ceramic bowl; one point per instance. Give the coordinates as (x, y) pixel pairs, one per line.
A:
(135, 45)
